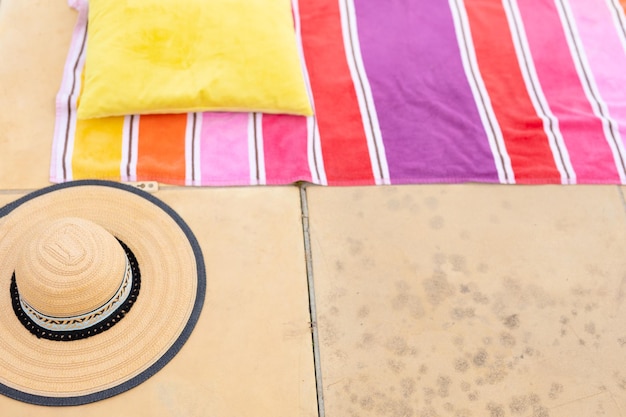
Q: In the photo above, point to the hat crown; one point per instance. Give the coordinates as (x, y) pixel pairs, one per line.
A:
(69, 267)
(65, 246)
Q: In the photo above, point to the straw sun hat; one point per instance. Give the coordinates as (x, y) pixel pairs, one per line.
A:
(100, 286)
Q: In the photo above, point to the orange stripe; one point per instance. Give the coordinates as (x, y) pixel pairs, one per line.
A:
(161, 148)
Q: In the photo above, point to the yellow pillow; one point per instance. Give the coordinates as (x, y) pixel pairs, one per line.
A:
(177, 56)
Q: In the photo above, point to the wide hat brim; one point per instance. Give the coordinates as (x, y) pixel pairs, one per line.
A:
(173, 284)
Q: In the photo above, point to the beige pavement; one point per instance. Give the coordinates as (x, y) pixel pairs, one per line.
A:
(471, 300)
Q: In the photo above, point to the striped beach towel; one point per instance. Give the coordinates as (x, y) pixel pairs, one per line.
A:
(404, 91)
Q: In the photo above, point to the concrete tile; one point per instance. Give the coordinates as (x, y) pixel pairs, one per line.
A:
(470, 300)
(250, 354)
(34, 40)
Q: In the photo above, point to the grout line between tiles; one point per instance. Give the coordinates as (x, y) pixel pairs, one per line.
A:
(17, 192)
(304, 207)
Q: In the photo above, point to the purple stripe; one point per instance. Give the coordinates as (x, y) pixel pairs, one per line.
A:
(430, 125)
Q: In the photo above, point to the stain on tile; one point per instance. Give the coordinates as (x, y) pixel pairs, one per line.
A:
(495, 410)
(335, 294)
(465, 386)
(366, 341)
(396, 366)
(479, 359)
(590, 328)
(463, 313)
(355, 246)
(512, 321)
(507, 340)
(405, 202)
(473, 396)
(459, 263)
(328, 330)
(519, 405)
(439, 258)
(436, 222)
(406, 300)
(399, 347)
(363, 312)
(443, 386)
(438, 288)
(480, 298)
(432, 203)
(408, 386)
(459, 342)
(556, 389)
(461, 365)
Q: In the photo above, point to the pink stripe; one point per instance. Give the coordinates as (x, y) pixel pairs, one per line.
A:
(285, 149)
(582, 131)
(224, 149)
(606, 55)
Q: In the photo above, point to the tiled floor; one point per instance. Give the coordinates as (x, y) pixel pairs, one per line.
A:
(451, 300)
(471, 300)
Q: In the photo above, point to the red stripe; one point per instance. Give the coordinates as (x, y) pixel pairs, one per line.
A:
(523, 131)
(161, 148)
(343, 140)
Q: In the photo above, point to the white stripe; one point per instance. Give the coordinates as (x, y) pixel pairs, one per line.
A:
(252, 150)
(310, 138)
(61, 123)
(539, 101)
(317, 143)
(67, 162)
(135, 148)
(125, 144)
(297, 27)
(619, 20)
(127, 161)
(317, 149)
(479, 91)
(581, 63)
(260, 148)
(69, 171)
(189, 131)
(196, 153)
(375, 145)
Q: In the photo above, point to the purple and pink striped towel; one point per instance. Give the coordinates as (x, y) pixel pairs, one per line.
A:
(412, 91)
